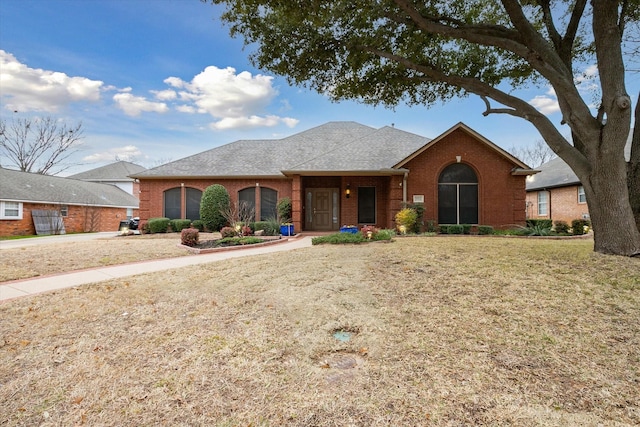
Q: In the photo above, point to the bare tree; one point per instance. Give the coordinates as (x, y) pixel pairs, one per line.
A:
(534, 155)
(39, 145)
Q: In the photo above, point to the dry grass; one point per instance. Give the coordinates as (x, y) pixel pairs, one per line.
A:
(446, 332)
(40, 260)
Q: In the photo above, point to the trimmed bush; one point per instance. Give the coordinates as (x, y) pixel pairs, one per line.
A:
(561, 227)
(158, 225)
(215, 200)
(178, 225)
(455, 229)
(199, 224)
(485, 229)
(443, 229)
(577, 226)
(190, 236)
(227, 232)
(466, 228)
(338, 238)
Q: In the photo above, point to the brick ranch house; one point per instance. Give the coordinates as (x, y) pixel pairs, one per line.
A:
(346, 173)
(557, 194)
(82, 206)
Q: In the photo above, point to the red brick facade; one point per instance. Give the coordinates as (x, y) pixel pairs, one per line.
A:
(562, 205)
(501, 194)
(79, 219)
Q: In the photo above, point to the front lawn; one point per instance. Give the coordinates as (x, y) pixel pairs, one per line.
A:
(420, 331)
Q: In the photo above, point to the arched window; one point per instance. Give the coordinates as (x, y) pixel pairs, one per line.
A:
(268, 201)
(172, 203)
(458, 195)
(193, 203)
(247, 199)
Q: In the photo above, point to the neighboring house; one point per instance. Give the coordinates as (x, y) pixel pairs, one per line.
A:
(345, 173)
(118, 174)
(82, 206)
(556, 192)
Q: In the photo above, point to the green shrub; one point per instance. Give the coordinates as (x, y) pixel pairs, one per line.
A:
(431, 226)
(283, 207)
(443, 229)
(577, 226)
(270, 227)
(561, 227)
(178, 225)
(537, 229)
(542, 223)
(384, 234)
(485, 229)
(234, 241)
(189, 236)
(466, 228)
(199, 224)
(419, 222)
(406, 220)
(338, 238)
(228, 232)
(158, 225)
(455, 229)
(215, 200)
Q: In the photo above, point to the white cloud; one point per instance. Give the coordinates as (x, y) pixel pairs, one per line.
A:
(545, 104)
(127, 153)
(236, 100)
(252, 122)
(134, 105)
(34, 89)
(165, 95)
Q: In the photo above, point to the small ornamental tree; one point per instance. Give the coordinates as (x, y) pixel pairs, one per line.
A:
(215, 200)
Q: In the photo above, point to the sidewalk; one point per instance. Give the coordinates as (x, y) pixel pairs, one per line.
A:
(26, 287)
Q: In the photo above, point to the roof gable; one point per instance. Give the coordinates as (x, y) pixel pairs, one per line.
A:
(114, 172)
(519, 165)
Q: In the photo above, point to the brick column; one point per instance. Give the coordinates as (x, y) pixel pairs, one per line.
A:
(296, 203)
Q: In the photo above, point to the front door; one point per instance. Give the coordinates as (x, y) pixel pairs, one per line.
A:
(321, 207)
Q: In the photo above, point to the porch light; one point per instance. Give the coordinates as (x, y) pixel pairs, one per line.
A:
(347, 192)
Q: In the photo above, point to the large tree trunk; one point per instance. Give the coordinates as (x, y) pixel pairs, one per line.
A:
(612, 219)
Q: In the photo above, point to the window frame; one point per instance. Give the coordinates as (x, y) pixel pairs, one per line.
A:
(4, 208)
(361, 195)
(542, 203)
(449, 179)
(582, 196)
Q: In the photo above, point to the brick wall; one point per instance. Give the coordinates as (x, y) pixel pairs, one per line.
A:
(152, 191)
(563, 205)
(501, 196)
(79, 219)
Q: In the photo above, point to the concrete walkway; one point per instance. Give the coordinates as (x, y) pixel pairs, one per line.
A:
(25, 287)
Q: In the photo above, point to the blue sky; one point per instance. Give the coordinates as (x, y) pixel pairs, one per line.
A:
(159, 80)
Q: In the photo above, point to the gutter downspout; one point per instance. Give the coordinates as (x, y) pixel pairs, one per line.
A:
(404, 189)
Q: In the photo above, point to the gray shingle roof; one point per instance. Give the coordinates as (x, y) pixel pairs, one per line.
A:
(30, 187)
(115, 172)
(556, 173)
(335, 146)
